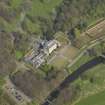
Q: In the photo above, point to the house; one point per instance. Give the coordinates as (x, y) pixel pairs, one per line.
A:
(50, 46)
(30, 55)
(38, 60)
(46, 48)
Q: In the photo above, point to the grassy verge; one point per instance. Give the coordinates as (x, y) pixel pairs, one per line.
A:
(91, 84)
(96, 99)
(81, 61)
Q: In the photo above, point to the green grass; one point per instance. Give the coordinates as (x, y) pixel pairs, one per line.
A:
(43, 9)
(59, 63)
(95, 22)
(97, 99)
(18, 54)
(98, 73)
(88, 88)
(37, 8)
(85, 58)
(81, 61)
(33, 103)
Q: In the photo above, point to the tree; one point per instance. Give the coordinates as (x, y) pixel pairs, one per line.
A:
(49, 71)
(46, 68)
(72, 35)
(82, 25)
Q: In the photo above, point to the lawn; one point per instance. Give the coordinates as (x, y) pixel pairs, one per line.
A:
(90, 93)
(81, 61)
(98, 75)
(70, 52)
(18, 55)
(97, 99)
(59, 62)
(85, 58)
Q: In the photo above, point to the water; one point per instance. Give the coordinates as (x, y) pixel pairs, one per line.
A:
(87, 66)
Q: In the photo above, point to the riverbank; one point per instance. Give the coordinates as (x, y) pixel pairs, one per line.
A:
(78, 71)
(71, 78)
(90, 91)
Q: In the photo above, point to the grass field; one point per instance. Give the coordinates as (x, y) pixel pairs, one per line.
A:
(91, 83)
(91, 91)
(59, 62)
(64, 56)
(70, 52)
(97, 99)
(81, 61)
